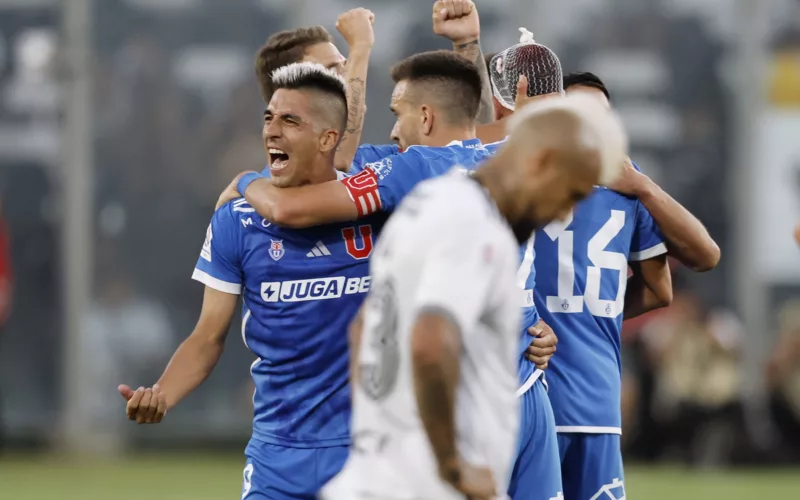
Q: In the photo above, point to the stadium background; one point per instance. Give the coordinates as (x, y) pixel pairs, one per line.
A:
(122, 120)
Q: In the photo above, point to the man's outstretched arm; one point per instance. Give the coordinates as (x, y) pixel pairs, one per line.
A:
(356, 28)
(377, 188)
(687, 238)
(191, 364)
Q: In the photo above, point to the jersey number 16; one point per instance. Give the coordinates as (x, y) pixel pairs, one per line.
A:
(566, 301)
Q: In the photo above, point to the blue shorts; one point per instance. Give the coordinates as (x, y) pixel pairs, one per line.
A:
(276, 472)
(591, 466)
(537, 470)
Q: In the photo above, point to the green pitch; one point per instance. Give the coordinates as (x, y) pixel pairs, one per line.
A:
(189, 477)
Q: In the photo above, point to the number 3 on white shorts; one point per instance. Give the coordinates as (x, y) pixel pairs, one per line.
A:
(248, 480)
(565, 301)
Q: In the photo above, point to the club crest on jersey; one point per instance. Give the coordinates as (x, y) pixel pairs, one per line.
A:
(276, 249)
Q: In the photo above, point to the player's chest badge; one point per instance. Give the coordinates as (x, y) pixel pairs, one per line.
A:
(276, 249)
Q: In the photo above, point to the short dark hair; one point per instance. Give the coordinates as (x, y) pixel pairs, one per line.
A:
(282, 48)
(317, 78)
(586, 79)
(452, 80)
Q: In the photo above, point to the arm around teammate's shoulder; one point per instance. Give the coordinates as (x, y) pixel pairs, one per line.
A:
(686, 237)
(300, 207)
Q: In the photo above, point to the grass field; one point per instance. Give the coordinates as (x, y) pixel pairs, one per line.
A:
(191, 477)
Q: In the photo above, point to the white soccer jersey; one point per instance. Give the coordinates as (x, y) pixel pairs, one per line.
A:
(446, 248)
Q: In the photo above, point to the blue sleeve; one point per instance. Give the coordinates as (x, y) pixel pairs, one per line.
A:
(399, 174)
(370, 153)
(647, 241)
(219, 265)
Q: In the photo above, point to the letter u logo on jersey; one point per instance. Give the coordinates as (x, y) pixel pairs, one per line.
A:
(276, 250)
(354, 251)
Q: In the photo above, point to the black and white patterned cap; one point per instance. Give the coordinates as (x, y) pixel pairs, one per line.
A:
(538, 63)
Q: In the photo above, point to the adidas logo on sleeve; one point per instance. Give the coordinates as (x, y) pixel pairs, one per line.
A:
(319, 250)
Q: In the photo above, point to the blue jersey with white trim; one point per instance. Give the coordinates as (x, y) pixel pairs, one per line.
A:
(383, 184)
(582, 273)
(301, 289)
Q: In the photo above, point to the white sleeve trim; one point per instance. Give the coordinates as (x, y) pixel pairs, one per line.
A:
(648, 253)
(216, 284)
(588, 429)
(529, 383)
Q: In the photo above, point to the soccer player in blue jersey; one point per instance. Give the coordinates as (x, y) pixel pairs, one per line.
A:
(300, 288)
(426, 86)
(423, 427)
(583, 290)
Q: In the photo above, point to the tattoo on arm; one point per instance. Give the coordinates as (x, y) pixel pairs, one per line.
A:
(472, 51)
(355, 109)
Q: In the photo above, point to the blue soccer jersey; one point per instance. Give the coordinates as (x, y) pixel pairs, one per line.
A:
(370, 153)
(582, 273)
(383, 184)
(301, 289)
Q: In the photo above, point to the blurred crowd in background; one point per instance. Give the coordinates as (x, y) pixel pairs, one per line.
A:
(177, 114)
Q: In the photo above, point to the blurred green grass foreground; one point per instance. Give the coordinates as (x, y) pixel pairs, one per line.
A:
(196, 477)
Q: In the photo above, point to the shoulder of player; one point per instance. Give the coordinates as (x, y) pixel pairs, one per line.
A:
(241, 214)
(456, 198)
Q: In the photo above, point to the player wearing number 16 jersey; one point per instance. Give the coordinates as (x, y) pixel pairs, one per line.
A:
(582, 285)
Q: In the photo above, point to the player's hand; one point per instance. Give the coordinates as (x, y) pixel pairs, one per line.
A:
(522, 99)
(230, 193)
(543, 346)
(456, 20)
(145, 406)
(476, 483)
(631, 182)
(356, 27)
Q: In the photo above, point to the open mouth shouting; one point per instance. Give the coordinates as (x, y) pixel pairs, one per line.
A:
(278, 159)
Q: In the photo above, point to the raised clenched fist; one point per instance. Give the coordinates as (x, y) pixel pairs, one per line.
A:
(456, 20)
(356, 27)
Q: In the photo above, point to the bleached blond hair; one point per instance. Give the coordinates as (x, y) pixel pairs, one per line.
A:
(307, 74)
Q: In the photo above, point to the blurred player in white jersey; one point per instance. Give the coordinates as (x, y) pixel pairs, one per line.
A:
(433, 353)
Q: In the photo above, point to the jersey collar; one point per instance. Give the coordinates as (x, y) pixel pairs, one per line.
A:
(469, 143)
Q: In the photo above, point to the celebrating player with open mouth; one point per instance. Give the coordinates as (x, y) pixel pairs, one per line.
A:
(300, 290)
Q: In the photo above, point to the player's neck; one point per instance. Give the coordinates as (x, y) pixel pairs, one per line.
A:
(323, 173)
(450, 134)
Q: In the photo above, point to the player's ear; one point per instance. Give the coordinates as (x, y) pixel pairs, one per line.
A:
(328, 140)
(426, 120)
(538, 162)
